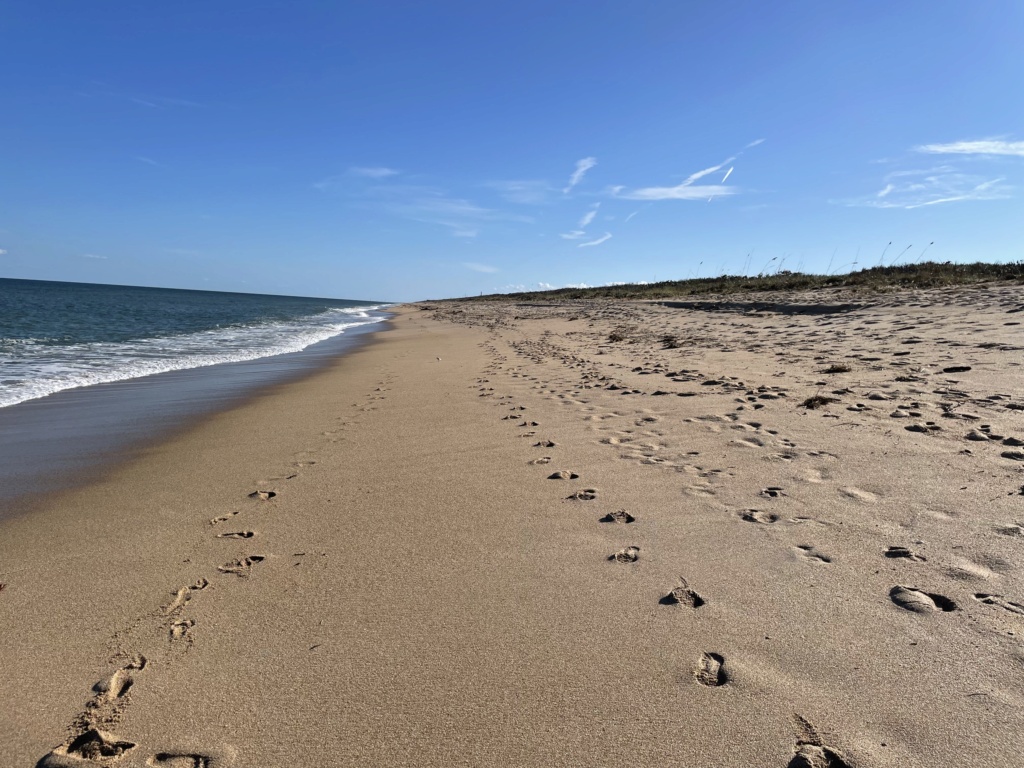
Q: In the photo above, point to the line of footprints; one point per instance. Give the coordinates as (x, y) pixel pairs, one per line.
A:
(93, 743)
(710, 670)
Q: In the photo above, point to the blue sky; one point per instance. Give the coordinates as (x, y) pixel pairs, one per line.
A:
(404, 150)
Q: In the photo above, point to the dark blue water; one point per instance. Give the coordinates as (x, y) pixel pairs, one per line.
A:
(56, 336)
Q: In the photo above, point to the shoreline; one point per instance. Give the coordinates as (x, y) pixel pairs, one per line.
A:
(544, 535)
(74, 436)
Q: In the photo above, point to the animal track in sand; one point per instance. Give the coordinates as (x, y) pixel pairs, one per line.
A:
(563, 474)
(757, 516)
(811, 752)
(236, 535)
(618, 516)
(1000, 602)
(587, 494)
(626, 555)
(541, 460)
(242, 566)
(262, 495)
(710, 670)
(1016, 530)
(682, 596)
(545, 444)
(920, 602)
(773, 492)
(92, 747)
(807, 552)
(905, 553)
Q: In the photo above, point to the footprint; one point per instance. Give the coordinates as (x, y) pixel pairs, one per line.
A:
(242, 566)
(236, 535)
(116, 686)
(920, 602)
(545, 444)
(811, 752)
(773, 492)
(183, 595)
(541, 460)
(683, 596)
(94, 746)
(757, 516)
(1001, 602)
(627, 555)
(710, 670)
(618, 516)
(180, 629)
(263, 495)
(563, 474)
(223, 518)
(587, 494)
(1016, 530)
(807, 552)
(904, 552)
(179, 760)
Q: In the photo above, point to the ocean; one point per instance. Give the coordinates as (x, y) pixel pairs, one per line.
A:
(88, 371)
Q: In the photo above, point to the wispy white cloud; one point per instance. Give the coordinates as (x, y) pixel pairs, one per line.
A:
(688, 189)
(634, 213)
(584, 222)
(582, 166)
(523, 192)
(545, 286)
(147, 160)
(486, 268)
(3, 251)
(980, 147)
(602, 239)
(754, 143)
(727, 174)
(932, 186)
(92, 256)
(680, 192)
(372, 172)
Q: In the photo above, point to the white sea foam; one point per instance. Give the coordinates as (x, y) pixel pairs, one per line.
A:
(30, 369)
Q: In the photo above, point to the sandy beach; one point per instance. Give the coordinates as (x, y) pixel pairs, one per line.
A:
(773, 530)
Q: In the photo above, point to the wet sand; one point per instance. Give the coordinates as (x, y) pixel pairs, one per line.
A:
(591, 534)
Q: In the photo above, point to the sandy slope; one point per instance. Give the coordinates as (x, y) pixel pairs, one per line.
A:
(432, 582)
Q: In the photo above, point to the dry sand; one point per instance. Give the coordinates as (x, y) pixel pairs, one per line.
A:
(496, 536)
